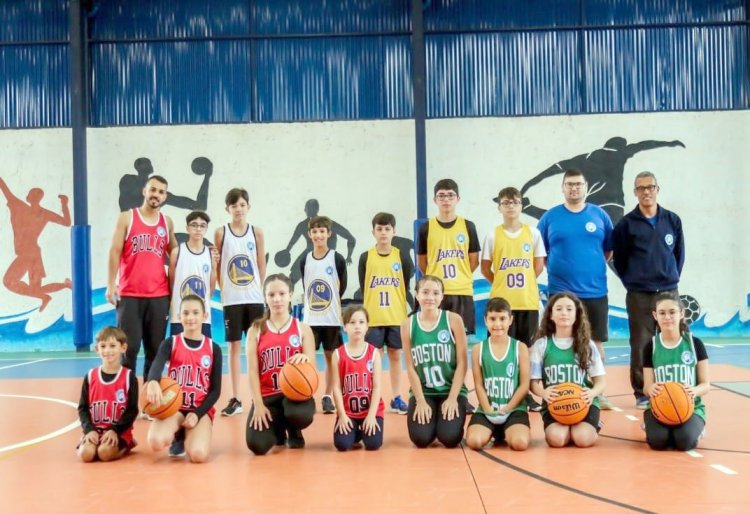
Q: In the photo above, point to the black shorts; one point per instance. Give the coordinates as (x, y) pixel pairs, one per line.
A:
(498, 431)
(597, 309)
(592, 418)
(524, 327)
(463, 305)
(327, 336)
(177, 328)
(238, 318)
(384, 336)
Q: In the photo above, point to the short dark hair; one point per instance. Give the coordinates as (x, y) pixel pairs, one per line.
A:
(498, 305)
(446, 184)
(572, 172)
(384, 218)
(320, 222)
(509, 193)
(195, 215)
(110, 331)
(234, 195)
(158, 178)
(194, 298)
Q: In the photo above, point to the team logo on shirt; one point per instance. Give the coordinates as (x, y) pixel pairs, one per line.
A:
(510, 369)
(206, 361)
(120, 396)
(590, 226)
(370, 366)
(460, 238)
(240, 270)
(319, 295)
(206, 268)
(295, 341)
(443, 336)
(669, 239)
(396, 267)
(526, 247)
(686, 357)
(250, 246)
(161, 231)
(329, 270)
(193, 285)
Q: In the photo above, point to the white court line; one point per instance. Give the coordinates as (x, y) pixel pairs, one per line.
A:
(45, 437)
(724, 469)
(631, 417)
(616, 409)
(694, 454)
(715, 345)
(24, 363)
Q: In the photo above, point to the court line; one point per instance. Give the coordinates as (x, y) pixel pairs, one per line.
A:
(713, 384)
(724, 469)
(471, 471)
(560, 485)
(702, 448)
(45, 437)
(694, 454)
(24, 363)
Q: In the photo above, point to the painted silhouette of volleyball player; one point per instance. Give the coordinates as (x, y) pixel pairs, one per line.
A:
(603, 169)
(283, 257)
(28, 220)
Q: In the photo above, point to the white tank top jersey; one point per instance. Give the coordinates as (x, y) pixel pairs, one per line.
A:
(192, 275)
(240, 282)
(321, 281)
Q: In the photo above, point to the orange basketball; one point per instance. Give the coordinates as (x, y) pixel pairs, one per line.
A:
(568, 408)
(673, 405)
(298, 382)
(171, 400)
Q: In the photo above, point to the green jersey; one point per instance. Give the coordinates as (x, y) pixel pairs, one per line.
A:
(678, 364)
(500, 375)
(434, 353)
(560, 366)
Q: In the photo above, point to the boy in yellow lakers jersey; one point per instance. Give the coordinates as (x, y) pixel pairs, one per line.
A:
(448, 248)
(512, 259)
(383, 279)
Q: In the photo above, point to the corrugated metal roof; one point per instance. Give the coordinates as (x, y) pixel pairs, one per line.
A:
(614, 12)
(499, 14)
(33, 20)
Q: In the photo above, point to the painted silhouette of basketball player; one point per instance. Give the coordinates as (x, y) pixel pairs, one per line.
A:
(28, 220)
(604, 170)
(311, 210)
(131, 188)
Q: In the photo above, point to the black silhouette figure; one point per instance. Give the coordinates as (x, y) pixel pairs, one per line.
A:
(604, 170)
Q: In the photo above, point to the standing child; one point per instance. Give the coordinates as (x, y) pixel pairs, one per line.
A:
(242, 271)
(566, 353)
(274, 340)
(356, 386)
(109, 401)
(194, 361)
(324, 282)
(383, 279)
(448, 247)
(436, 360)
(192, 270)
(512, 259)
(501, 377)
(674, 355)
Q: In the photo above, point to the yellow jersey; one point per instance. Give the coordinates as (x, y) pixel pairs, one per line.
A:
(448, 257)
(513, 266)
(384, 288)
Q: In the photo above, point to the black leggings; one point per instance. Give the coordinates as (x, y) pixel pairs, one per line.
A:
(680, 437)
(344, 442)
(449, 433)
(286, 416)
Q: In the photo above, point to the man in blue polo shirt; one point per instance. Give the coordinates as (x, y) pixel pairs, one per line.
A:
(649, 251)
(578, 239)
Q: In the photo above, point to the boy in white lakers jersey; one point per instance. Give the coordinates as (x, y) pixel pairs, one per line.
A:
(448, 248)
(242, 271)
(324, 281)
(383, 279)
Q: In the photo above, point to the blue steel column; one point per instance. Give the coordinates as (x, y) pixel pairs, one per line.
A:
(420, 113)
(80, 236)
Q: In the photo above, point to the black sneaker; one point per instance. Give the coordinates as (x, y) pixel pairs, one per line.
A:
(233, 407)
(177, 448)
(327, 404)
(295, 440)
(532, 404)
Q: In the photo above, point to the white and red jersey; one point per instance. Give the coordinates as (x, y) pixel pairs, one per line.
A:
(355, 374)
(273, 352)
(108, 400)
(191, 368)
(141, 271)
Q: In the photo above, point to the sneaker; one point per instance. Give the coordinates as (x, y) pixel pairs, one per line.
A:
(532, 404)
(327, 403)
(642, 402)
(604, 403)
(233, 407)
(399, 406)
(177, 448)
(145, 415)
(295, 441)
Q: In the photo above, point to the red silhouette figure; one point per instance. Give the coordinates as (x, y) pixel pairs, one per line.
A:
(28, 220)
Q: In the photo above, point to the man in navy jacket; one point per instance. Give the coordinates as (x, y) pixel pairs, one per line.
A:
(649, 252)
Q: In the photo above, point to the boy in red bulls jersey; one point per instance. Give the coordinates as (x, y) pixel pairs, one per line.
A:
(356, 387)
(109, 402)
(141, 242)
(194, 363)
(274, 340)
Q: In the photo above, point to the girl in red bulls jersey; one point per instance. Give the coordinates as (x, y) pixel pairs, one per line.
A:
(356, 387)
(273, 340)
(109, 402)
(195, 363)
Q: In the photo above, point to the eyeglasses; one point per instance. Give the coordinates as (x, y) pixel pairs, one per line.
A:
(198, 226)
(642, 189)
(574, 185)
(510, 203)
(446, 196)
